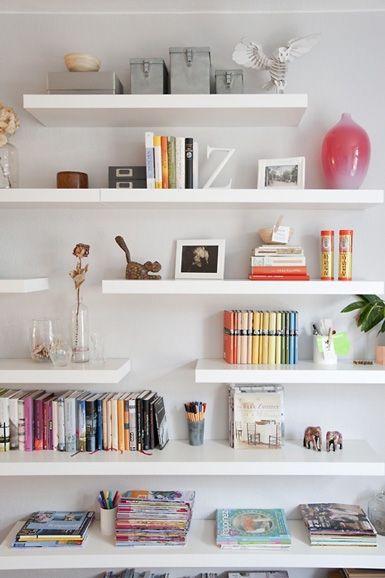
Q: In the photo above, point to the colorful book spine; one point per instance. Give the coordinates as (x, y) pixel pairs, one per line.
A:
(132, 412)
(171, 162)
(298, 271)
(70, 423)
(158, 161)
(99, 423)
(90, 425)
(180, 162)
(21, 424)
(264, 359)
(244, 328)
(278, 338)
(55, 439)
(189, 163)
(13, 421)
(5, 438)
(229, 336)
(114, 423)
(249, 336)
(296, 336)
(164, 152)
(61, 442)
(279, 277)
(150, 162)
(38, 424)
(82, 425)
(272, 337)
(121, 433)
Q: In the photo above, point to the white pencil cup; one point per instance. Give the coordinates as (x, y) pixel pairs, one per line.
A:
(323, 350)
(107, 521)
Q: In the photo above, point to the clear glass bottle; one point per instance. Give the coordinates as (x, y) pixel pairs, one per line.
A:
(80, 333)
(376, 512)
(42, 336)
(9, 167)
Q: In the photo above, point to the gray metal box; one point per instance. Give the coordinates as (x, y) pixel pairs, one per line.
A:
(229, 81)
(190, 69)
(148, 76)
(83, 83)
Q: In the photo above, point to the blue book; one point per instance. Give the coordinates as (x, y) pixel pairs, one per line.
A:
(99, 423)
(296, 331)
(54, 524)
(291, 338)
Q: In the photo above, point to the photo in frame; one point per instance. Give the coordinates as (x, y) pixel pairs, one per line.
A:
(200, 259)
(281, 173)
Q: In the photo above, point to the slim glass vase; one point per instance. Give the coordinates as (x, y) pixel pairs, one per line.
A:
(80, 333)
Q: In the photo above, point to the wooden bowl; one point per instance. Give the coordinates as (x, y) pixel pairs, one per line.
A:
(78, 62)
(267, 233)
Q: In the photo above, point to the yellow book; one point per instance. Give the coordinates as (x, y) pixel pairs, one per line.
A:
(265, 338)
(121, 442)
(278, 342)
(158, 161)
(238, 328)
(244, 327)
(249, 337)
(272, 336)
(256, 327)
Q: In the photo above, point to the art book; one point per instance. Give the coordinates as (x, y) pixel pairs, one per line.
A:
(252, 528)
(52, 525)
(256, 416)
(331, 518)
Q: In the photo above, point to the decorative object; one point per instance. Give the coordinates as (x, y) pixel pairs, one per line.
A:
(345, 258)
(42, 337)
(277, 234)
(333, 440)
(327, 255)
(96, 348)
(9, 123)
(324, 352)
(251, 55)
(380, 354)
(60, 352)
(312, 438)
(195, 415)
(362, 362)
(345, 154)
(105, 82)
(80, 330)
(220, 167)
(136, 270)
(190, 69)
(127, 177)
(80, 62)
(281, 173)
(148, 76)
(376, 512)
(200, 259)
(72, 180)
(229, 81)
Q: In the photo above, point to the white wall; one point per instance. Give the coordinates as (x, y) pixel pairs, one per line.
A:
(165, 335)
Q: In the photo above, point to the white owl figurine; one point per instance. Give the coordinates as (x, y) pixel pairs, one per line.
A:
(251, 55)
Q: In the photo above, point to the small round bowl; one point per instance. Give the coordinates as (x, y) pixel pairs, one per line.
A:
(266, 235)
(78, 62)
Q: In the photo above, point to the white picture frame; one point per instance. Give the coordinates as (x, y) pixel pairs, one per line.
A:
(281, 173)
(200, 259)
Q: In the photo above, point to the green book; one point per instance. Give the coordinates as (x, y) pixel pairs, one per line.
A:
(283, 337)
(287, 337)
(171, 162)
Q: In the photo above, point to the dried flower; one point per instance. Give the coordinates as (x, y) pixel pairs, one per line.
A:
(81, 250)
(79, 273)
(8, 123)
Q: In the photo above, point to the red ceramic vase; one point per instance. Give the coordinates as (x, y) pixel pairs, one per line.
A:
(345, 154)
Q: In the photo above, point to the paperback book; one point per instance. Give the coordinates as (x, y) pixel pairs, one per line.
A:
(278, 263)
(252, 529)
(171, 162)
(53, 529)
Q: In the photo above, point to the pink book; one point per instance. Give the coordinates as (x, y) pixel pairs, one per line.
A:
(28, 419)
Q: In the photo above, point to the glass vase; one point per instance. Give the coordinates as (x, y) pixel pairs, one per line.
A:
(9, 167)
(42, 336)
(80, 333)
(376, 512)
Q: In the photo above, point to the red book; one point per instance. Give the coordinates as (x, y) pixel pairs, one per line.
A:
(289, 270)
(229, 327)
(279, 277)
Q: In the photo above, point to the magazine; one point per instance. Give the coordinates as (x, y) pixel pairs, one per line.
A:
(252, 526)
(340, 519)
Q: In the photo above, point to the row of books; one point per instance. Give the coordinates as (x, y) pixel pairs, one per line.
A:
(54, 529)
(278, 263)
(80, 421)
(329, 524)
(171, 162)
(261, 337)
(256, 416)
(132, 573)
(154, 518)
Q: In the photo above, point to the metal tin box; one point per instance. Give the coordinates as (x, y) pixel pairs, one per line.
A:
(131, 177)
(190, 70)
(229, 81)
(83, 83)
(148, 76)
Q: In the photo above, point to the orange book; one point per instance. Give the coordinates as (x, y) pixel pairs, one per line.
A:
(279, 277)
(301, 270)
(164, 150)
(229, 326)
(121, 436)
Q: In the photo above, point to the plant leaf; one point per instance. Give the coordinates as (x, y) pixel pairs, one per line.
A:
(353, 306)
(372, 318)
(382, 330)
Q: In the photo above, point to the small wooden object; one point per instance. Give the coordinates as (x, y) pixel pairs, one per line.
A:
(333, 440)
(380, 354)
(312, 438)
(72, 180)
(79, 62)
(136, 270)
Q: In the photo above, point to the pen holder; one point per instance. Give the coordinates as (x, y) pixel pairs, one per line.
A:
(196, 430)
(107, 521)
(323, 350)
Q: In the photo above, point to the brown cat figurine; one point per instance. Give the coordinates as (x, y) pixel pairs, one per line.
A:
(136, 270)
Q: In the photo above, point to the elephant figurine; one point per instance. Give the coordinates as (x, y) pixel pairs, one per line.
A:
(313, 437)
(333, 439)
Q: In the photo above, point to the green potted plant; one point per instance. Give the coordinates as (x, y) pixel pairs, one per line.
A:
(370, 314)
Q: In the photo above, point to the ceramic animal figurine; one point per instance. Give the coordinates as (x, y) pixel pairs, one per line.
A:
(333, 439)
(313, 437)
(251, 55)
(136, 270)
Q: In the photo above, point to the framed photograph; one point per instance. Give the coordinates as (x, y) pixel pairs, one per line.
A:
(200, 259)
(281, 173)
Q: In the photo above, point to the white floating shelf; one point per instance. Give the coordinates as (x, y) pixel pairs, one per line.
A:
(200, 552)
(214, 458)
(218, 371)
(240, 287)
(29, 371)
(24, 285)
(151, 110)
(44, 198)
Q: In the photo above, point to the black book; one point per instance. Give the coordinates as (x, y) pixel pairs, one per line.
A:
(140, 420)
(146, 404)
(161, 422)
(189, 159)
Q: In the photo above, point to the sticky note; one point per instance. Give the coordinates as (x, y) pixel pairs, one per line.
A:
(280, 234)
(341, 343)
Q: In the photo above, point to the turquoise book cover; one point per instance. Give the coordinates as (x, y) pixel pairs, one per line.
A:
(252, 525)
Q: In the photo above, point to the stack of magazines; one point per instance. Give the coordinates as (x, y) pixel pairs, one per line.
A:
(152, 518)
(338, 525)
(54, 529)
(252, 529)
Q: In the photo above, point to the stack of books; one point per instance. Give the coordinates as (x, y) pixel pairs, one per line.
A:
(171, 162)
(256, 416)
(278, 263)
(54, 529)
(81, 421)
(154, 518)
(338, 525)
(252, 529)
(261, 337)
